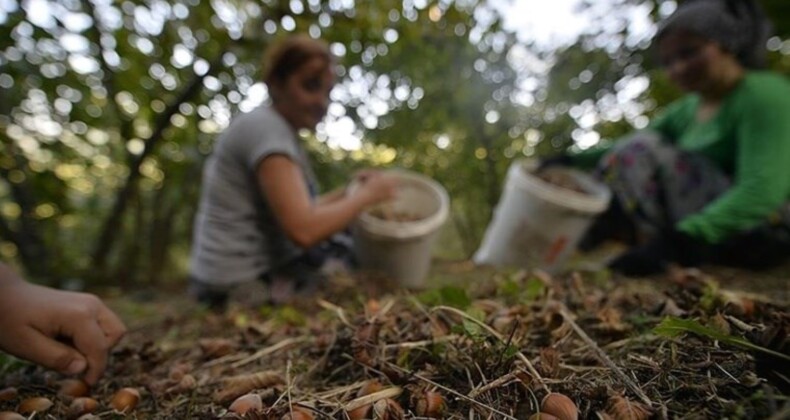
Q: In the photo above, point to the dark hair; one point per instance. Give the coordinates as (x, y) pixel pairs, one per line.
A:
(739, 26)
(290, 53)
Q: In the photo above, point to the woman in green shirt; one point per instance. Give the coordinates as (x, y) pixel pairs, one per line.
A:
(709, 180)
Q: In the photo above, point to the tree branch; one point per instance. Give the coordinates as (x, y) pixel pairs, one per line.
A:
(108, 232)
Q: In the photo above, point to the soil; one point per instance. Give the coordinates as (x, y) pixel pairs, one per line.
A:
(560, 178)
(386, 213)
(490, 343)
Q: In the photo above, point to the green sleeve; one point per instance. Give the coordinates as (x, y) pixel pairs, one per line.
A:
(675, 119)
(762, 180)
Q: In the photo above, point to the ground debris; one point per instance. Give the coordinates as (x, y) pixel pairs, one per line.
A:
(490, 345)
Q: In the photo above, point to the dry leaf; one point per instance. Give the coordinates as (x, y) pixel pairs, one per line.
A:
(621, 408)
(364, 345)
(239, 385)
(216, 347)
(549, 363)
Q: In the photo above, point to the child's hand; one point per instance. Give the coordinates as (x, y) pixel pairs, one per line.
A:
(65, 331)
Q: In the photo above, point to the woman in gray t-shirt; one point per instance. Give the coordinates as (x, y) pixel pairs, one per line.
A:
(258, 216)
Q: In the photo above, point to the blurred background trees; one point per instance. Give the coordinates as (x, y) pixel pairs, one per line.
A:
(108, 110)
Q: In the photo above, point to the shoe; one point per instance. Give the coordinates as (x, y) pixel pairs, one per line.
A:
(213, 297)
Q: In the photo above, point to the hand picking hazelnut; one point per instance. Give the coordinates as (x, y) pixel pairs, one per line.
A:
(560, 406)
(34, 405)
(125, 399)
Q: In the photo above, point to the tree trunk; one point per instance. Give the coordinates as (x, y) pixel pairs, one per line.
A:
(111, 226)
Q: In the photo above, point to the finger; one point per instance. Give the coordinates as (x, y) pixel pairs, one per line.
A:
(113, 327)
(89, 339)
(38, 348)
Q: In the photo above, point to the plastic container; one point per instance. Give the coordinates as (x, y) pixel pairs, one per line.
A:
(401, 249)
(537, 224)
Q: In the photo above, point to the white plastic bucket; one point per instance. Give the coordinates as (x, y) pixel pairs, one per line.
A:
(401, 250)
(537, 224)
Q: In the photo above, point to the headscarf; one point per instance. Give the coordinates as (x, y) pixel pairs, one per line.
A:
(739, 26)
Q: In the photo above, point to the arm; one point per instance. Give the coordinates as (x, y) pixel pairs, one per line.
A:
(331, 196)
(34, 319)
(762, 178)
(304, 222)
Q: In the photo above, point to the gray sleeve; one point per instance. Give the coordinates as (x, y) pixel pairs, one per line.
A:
(260, 134)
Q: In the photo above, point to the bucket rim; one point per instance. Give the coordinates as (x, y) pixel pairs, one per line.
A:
(405, 230)
(594, 201)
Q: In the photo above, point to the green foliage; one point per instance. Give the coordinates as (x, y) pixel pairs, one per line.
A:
(452, 296)
(109, 110)
(518, 288)
(673, 327)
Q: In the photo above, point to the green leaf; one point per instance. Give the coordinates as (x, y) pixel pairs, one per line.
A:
(534, 289)
(510, 288)
(471, 329)
(455, 297)
(672, 327)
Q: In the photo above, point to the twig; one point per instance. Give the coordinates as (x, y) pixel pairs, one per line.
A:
(493, 332)
(566, 315)
(288, 385)
(223, 359)
(496, 383)
(418, 344)
(338, 310)
(371, 398)
(383, 311)
(472, 319)
(456, 393)
(269, 350)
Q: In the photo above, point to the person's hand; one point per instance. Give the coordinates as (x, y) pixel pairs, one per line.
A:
(643, 260)
(363, 174)
(377, 187)
(654, 256)
(65, 331)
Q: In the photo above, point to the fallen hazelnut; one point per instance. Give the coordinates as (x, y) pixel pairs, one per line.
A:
(216, 347)
(429, 404)
(178, 371)
(187, 383)
(10, 415)
(34, 405)
(542, 416)
(370, 387)
(73, 388)
(560, 406)
(298, 413)
(360, 412)
(8, 394)
(125, 399)
(82, 405)
(387, 409)
(246, 403)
